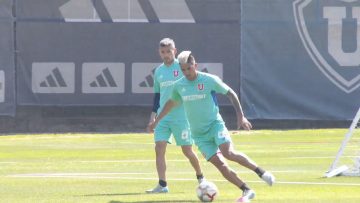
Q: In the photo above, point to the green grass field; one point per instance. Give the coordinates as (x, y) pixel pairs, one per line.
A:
(118, 168)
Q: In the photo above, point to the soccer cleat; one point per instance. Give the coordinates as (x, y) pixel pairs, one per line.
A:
(158, 189)
(268, 178)
(247, 196)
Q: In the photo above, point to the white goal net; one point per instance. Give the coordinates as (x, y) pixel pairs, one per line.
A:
(347, 160)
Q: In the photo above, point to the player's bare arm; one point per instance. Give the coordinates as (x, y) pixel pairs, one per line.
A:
(167, 108)
(151, 120)
(241, 119)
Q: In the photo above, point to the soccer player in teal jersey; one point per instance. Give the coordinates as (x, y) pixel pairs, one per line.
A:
(196, 92)
(175, 122)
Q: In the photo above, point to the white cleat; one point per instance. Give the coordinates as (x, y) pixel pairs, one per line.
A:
(158, 189)
(247, 196)
(268, 178)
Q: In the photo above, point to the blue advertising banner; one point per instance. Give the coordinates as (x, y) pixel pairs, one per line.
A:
(300, 59)
(7, 62)
(103, 52)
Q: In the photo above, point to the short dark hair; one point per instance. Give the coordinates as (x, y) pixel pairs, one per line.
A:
(191, 59)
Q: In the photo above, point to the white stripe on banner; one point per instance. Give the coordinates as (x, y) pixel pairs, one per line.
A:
(172, 11)
(169, 11)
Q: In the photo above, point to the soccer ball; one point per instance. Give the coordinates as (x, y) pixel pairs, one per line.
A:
(207, 191)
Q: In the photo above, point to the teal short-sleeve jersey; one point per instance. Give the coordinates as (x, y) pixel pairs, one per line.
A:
(199, 100)
(164, 79)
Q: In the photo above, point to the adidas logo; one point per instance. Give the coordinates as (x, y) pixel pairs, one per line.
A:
(53, 77)
(212, 68)
(205, 70)
(143, 77)
(100, 77)
(148, 11)
(149, 80)
(103, 78)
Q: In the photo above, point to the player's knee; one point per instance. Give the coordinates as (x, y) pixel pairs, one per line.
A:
(160, 149)
(228, 154)
(187, 152)
(223, 168)
(220, 164)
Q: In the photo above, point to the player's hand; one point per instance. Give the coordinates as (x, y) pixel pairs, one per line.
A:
(150, 127)
(244, 123)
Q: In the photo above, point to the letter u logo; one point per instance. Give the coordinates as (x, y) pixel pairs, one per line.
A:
(329, 56)
(335, 17)
(200, 86)
(176, 73)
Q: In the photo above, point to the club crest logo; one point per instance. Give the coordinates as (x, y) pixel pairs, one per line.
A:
(176, 73)
(326, 29)
(201, 86)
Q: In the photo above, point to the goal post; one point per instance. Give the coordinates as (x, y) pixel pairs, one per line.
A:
(347, 160)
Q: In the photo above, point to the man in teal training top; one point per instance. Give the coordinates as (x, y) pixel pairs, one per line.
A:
(175, 123)
(196, 92)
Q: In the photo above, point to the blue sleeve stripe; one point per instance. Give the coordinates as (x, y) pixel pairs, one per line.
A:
(156, 104)
(213, 94)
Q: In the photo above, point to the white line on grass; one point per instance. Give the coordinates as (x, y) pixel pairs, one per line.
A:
(100, 161)
(153, 160)
(129, 161)
(133, 173)
(138, 143)
(315, 157)
(171, 179)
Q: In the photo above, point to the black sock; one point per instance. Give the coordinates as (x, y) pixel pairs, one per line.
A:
(259, 171)
(199, 177)
(244, 187)
(162, 183)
